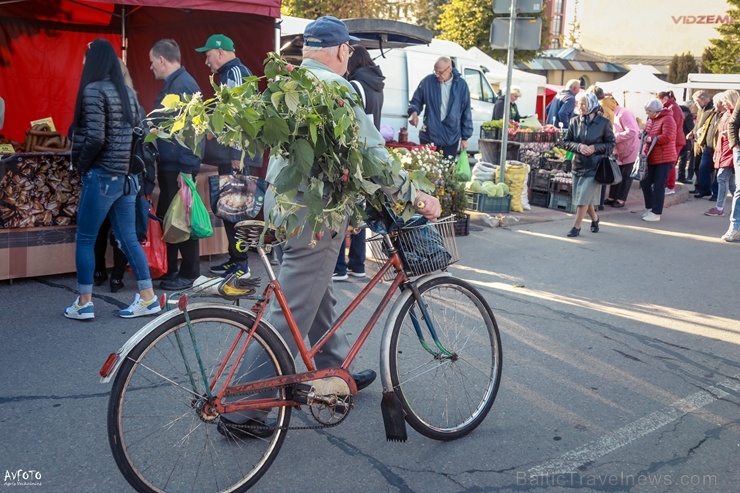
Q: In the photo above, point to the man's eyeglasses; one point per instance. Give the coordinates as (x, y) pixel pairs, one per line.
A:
(351, 50)
(442, 72)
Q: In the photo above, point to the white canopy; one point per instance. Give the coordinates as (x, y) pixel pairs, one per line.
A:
(638, 86)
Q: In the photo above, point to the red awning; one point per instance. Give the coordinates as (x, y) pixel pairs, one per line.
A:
(268, 8)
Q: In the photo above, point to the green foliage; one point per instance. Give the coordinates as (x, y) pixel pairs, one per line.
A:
(706, 58)
(305, 121)
(680, 67)
(468, 23)
(427, 13)
(724, 52)
(312, 9)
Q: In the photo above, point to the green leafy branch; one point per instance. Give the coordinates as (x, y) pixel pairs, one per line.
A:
(305, 121)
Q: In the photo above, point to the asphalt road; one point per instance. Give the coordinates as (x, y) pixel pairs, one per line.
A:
(621, 373)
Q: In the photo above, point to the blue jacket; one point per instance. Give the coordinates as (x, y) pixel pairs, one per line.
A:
(561, 109)
(173, 156)
(459, 121)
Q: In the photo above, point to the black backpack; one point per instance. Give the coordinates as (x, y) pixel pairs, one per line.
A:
(143, 154)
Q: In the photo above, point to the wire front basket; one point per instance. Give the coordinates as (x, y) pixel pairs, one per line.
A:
(423, 249)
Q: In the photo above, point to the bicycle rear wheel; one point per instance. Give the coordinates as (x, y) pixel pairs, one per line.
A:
(160, 438)
(445, 397)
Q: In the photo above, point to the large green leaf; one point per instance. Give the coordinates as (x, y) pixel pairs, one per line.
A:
(301, 155)
(276, 130)
(288, 179)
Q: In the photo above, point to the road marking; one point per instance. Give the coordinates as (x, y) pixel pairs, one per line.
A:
(571, 461)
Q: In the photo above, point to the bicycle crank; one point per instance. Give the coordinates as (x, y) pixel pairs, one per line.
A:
(328, 399)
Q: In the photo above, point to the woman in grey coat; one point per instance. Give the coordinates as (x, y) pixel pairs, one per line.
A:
(590, 137)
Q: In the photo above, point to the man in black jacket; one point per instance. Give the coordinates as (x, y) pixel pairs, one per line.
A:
(230, 71)
(174, 159)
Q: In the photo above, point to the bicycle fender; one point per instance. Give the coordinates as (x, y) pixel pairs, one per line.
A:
(145, 330)
(385, 343)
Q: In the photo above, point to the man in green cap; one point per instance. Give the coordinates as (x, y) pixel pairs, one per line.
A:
(230, 71)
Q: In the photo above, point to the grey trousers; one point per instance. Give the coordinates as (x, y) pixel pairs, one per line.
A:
(305, 278)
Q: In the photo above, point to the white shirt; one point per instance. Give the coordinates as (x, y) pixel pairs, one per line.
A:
(446, 87)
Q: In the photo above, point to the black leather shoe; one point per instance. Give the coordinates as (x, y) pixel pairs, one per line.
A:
(177, 284)
(116, 285)
(618, 205)
(364, 378)
(699, 195)
(229, 429)
(574, 232)
(99, 277)
(595, 226)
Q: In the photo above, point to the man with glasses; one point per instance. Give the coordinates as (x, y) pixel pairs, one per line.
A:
(445, 99)
(305, 270)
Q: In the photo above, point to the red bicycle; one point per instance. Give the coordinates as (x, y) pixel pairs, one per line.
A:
(178, 375)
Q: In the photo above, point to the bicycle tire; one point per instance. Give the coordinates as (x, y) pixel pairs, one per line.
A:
(159, 442)
(446, 398)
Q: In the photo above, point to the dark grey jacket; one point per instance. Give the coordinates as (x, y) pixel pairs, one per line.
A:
(583, 130)
(102, 138)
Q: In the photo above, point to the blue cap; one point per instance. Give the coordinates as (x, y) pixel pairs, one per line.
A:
(326, 31)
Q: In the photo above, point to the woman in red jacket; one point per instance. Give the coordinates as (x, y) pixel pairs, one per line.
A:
(669, 102)
(660, 147)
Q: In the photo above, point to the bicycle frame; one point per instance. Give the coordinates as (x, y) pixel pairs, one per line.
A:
(241, 342)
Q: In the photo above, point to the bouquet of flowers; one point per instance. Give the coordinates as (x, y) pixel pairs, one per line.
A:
(309, 123)
(441, 172)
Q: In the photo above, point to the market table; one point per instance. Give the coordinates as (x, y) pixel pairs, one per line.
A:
(39, 193)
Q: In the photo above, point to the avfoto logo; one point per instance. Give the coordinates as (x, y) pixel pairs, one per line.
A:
(22, 477)
(701, 19)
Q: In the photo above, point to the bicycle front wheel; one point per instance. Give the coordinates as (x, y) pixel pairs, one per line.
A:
(446, 396)
(163, 436)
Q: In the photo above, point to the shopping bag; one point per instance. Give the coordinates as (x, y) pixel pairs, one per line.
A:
(236, 197)
(176, 226)
(154, 247)
(607, 171)
(200, 220)
(463, 166)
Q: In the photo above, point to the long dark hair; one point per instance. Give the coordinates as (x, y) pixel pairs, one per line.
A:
(101, 62)
(360, 58)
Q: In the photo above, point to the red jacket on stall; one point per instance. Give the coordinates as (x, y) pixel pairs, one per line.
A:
(662, 130)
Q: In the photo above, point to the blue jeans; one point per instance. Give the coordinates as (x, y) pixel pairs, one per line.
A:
(735, 214)
(706, 167)
(356, 254)
(653, 186)
(725, 182)
(106, 194)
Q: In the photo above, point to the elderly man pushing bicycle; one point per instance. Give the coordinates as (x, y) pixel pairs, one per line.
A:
(306, 270)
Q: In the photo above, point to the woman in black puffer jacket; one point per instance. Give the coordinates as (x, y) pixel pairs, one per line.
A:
(105, 113)
(590, 137)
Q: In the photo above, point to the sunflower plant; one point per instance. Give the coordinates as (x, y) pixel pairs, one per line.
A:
(309, 123)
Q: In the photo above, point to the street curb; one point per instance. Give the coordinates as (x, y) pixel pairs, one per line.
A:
(541, 214)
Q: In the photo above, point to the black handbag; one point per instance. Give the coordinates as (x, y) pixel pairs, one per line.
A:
(607, 171)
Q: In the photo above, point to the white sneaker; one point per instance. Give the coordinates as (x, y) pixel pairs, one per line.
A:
(81, 312)
(670, 191)
(140, 308)
(654, 218)
(731, 235)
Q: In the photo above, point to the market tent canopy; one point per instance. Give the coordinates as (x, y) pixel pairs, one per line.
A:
(637, 87)
(42, 44)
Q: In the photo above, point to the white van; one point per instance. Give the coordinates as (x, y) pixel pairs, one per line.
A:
(406, 54)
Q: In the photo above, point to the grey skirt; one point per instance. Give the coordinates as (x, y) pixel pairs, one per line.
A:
(586, 191)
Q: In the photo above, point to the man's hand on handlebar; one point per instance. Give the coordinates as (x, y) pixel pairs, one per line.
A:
(427, 206)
